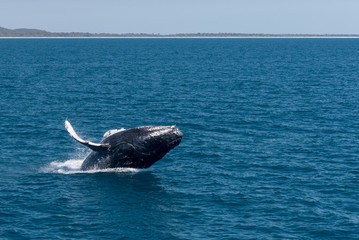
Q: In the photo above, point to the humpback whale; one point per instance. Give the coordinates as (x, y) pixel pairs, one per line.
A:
(135, 148)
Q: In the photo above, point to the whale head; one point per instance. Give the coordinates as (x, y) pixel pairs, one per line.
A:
(142, 146)
(157, 138)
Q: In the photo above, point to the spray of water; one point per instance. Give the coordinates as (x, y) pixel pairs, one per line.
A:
(73, 166)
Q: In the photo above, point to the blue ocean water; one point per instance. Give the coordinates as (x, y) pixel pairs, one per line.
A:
(270, 147)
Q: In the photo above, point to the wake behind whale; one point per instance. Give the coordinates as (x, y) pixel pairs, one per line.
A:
(73, 166)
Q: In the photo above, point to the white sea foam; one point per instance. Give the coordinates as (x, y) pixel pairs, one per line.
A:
(73, 166)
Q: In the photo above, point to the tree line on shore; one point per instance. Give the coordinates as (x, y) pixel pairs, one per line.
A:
(24, 32)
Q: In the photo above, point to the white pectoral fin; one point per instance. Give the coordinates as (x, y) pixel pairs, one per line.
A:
(91, 145)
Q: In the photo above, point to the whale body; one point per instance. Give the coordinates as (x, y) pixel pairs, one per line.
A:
(135, 148)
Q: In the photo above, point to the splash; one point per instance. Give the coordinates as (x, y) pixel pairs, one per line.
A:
(73, 166)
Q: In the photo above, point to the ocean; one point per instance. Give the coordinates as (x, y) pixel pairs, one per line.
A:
(270, 147)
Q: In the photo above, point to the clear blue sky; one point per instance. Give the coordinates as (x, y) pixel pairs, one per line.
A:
(183, 16)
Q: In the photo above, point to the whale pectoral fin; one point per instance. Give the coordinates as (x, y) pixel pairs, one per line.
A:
(91, 145)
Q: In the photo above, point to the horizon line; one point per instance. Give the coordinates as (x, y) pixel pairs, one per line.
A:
(197, 37)
(30, 31)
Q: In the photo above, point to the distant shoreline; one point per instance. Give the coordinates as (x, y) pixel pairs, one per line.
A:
(20, 33)
(190, 37)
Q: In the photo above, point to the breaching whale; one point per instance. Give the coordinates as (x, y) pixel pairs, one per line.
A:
(135, 148)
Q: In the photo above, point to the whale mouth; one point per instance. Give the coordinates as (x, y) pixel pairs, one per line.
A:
(177, 140)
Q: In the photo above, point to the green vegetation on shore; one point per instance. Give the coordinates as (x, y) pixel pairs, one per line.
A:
(24, 33)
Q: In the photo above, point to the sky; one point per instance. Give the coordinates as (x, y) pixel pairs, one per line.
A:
(183, 16)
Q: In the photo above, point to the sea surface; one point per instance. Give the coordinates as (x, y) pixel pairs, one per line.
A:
(270, 147)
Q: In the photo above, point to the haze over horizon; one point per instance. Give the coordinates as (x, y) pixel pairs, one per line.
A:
(170, 17)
